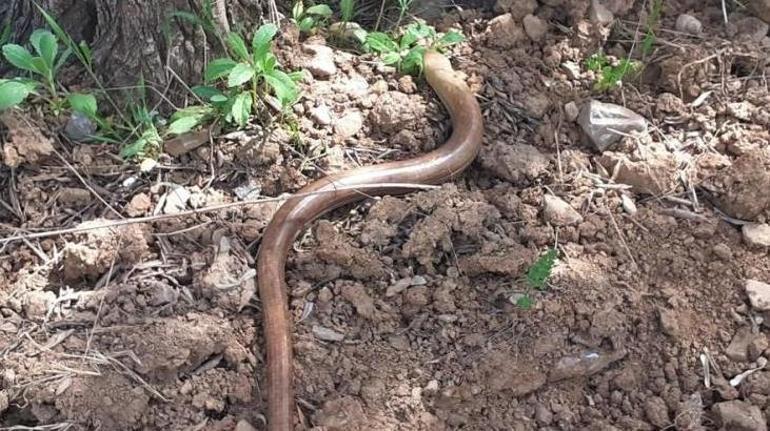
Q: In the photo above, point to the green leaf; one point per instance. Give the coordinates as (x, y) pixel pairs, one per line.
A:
(297, 10)
(219, 98)
(241, 108)
(46, 46)
(19, 56)
(267, 64)
(238, 46)
(219, 68)
(206, 92)
(525, 302)
(347, 10)
(83, 103)
(541, 270)
(192, 111)
(391, 58)
(320, 10)
(240, 74)
(149, 138)
(297, 76)
(413, 61)
(451, 38)
(260, 44)
(381, 42)
(62, 59)
(408, 39)
(184, 124)
(13, 92)
(306, 24)
(85, 51)
(284, 87)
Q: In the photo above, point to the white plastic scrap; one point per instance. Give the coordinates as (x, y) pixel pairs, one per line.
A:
(735, 381)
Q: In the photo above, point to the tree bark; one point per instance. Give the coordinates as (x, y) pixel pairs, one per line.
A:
(137, 38)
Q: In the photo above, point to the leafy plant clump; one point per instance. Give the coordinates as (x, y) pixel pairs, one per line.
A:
(537, 277)
(248, 77)
(310, 18)
(406, 52)
(611, 75)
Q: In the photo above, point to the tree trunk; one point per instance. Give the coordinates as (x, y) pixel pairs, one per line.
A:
(138, 38)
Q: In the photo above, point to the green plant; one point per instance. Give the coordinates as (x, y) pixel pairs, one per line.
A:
(310, 18)
(205, 19)
(347, 10)
(248, 76)
(611, 75)
(537, 277)
(406, 52)
(403, 9)
(652, 22)
(5, 33)
(45, 65)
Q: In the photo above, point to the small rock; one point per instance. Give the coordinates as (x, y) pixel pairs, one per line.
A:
(558, 212)
(325, 295)
(321, 115)
(628, 205)
(406, 84)
(543, 415)
(419, 280)
(321, 63)
(584, 365)
(79, 127)
(688, 24)
(535, 27)
(162, 294)
(599, 14)
(656, 410)
(347, 126)
(750, 27)
(176, 200)
(741, 110)
(571, 111)
(398, 287)
(739, 415)
(74, 196)
(599, 120)
(243, 425)
(573, 72)
(756, 234)
(139, 205)
(37, 303)
(739, 346)
(504, 32)
(517, 163)
(416, 296)
(723, 251)
(326, 334)
(759, 294)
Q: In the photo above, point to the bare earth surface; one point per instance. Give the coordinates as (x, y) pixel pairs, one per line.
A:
(405, 308)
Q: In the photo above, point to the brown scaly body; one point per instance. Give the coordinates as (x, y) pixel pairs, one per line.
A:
(435, 167)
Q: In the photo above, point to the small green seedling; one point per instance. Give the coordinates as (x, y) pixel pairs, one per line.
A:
(609, 75)
(44, 65)
(310, 18)
(347, 10)
(407, 52)
(652, 22)
(248, 75)
(537, 277)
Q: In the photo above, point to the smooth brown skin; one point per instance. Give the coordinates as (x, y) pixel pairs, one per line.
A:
(435, 167)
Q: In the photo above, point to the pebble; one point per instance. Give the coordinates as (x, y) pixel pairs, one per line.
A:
(723, 251)
(752, 28)
(739, 415)
(535, 27)
(321, 115)
(139, 205)
(3, 401)
(321, 63)
(588, 363)
(571, 111)
(558, 212)
(688, 24)
(761, 8)
(326, 334)
(628, 205)
(759, 294)
(79, 127)
(398, 287)
(176, 200)
(599, 14)
(656, 410)
(325, 295)
(347, 126)
(37, 303)
(599, 121)
(756, 234)
(573, 73)
(543, 415)
(243, 425)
